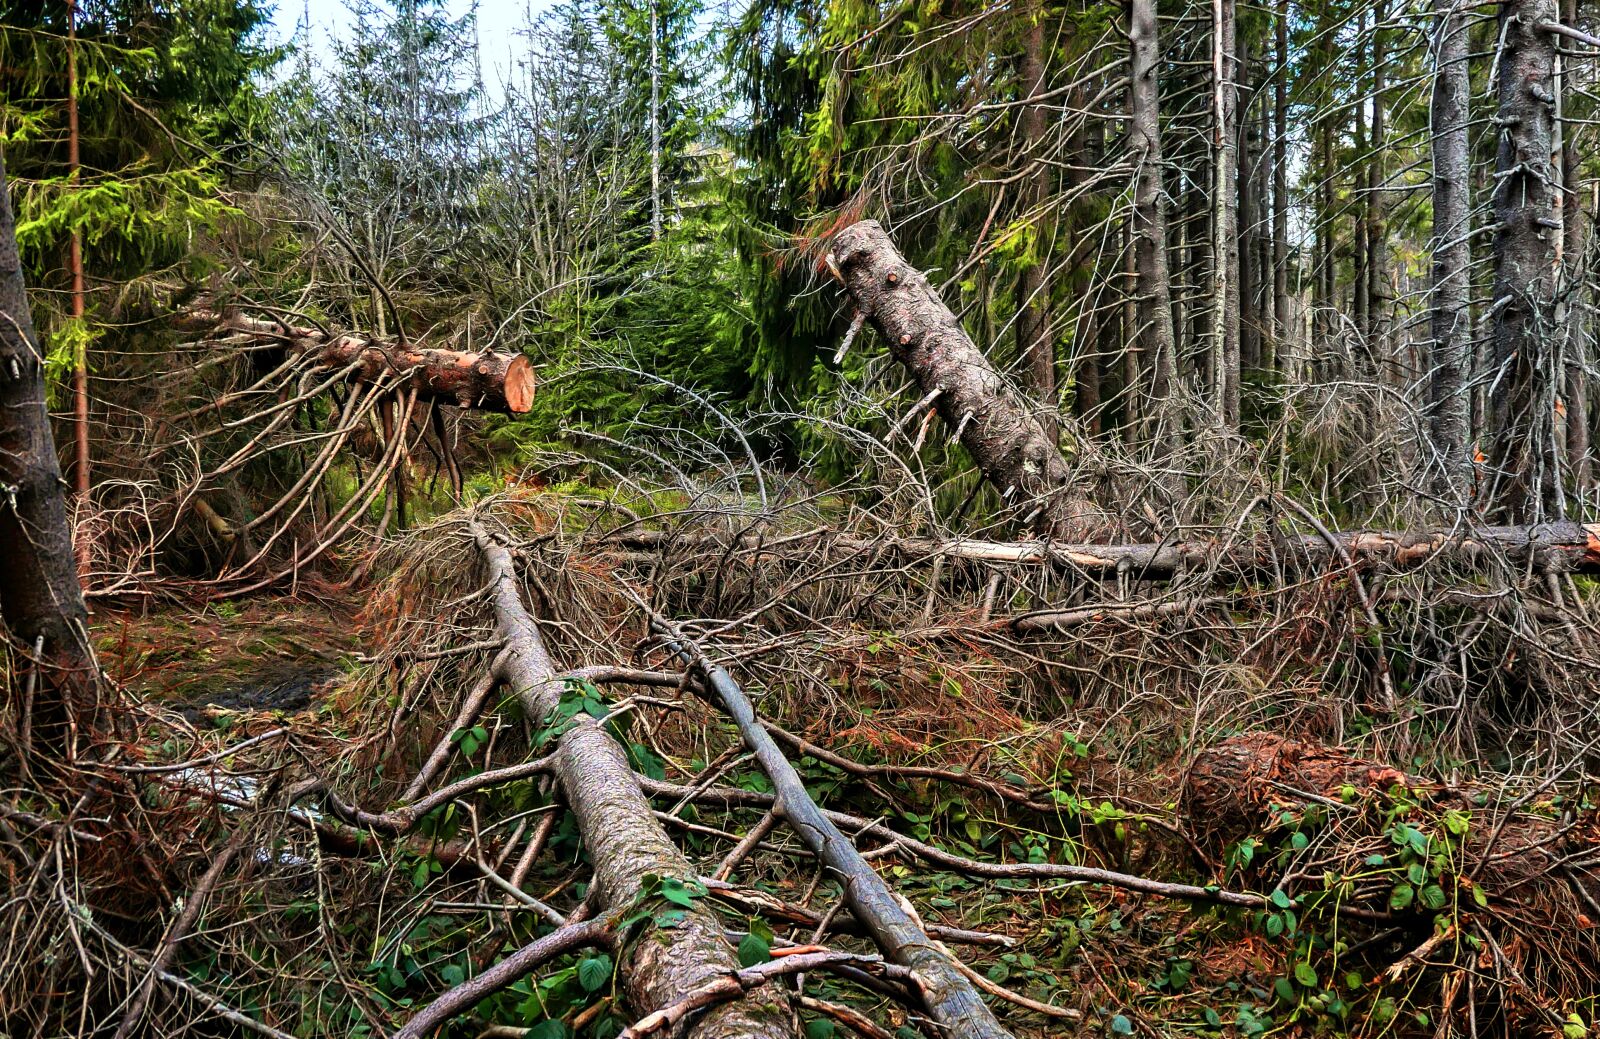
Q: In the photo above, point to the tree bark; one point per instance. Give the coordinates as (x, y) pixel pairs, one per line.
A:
(952, 1001)
(1152, 286)
(1280, 190)
(1011, 447)
(1377, 230)
(41, 603)
(1577, 324)
(624, 841)
(1526, 462)
(1450, 358)
(486, 382)
(1225, 214)
(1034, 340)
(1546, 548)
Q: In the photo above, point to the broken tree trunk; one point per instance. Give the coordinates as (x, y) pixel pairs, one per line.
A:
(623, 839)
(1544, 548)
(952, 1001)
(482, 381)
(991, 419)
(41, 603)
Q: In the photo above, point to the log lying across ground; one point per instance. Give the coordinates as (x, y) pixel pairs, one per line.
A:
(1014, 450)
(1545, 548)
(624, 841)
(483, 381)
(952, 1001)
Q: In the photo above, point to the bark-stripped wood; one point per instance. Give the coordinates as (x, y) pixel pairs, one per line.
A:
(482, 381)
(1004, 436)
(951, 999)
(624, 841)
(41, 603)
(1546, 548)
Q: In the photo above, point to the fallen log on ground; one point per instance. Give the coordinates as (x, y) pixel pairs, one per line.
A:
(624, 842)
(483, 381)
(1014, 450)
(1542, 548)
(952, 1001)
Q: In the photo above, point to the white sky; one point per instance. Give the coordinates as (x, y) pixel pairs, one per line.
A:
(498, 22)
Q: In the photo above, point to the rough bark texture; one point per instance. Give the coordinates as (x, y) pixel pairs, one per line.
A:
(1155, 335)
(1010, 445)
(1451, 354)
(487, 382)
(1225, 213)
(1034, 339)
(40, 601)
(1280, 188)
(1577, 323)
(951, 999)
(1526, 462)
(623, 839)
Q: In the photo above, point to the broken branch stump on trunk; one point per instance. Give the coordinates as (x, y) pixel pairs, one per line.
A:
(951, 999)
(483, 381)
(623, 839)
(1012, 447)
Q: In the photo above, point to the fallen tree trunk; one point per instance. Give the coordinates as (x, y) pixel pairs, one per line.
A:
(952, 1001)
(1543, 548)
(1014, 450)
(483, 381)
(624, 842)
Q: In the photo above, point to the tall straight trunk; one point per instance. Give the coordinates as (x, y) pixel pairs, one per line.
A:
(1577, 323)
(1527, 463)
(1360, 301)
(1225, 215)
(1450, 357)
(1152, 288)
(1249, 185)
(1280, 189)
(1377, 265)
(1132, 369)
(1034, 340)
(80, 363)
(41, 604)
(655, 120)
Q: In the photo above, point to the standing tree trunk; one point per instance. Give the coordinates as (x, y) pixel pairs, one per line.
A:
(1225, 215)
(1249, 151)
(80, 363)
(1450, 357)
(1377, 265)
(1526, 461)
(1034, 340)
(1152, 288)
(41, 604)
(989, 417)
(1280, 190)
(1577, 324)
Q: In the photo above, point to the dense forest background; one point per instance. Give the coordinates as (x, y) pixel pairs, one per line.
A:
(1189, 631)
